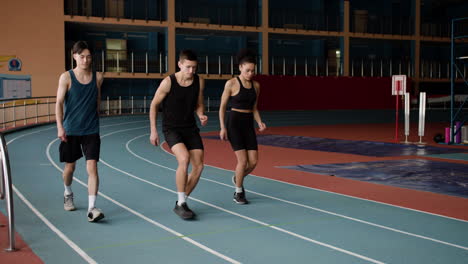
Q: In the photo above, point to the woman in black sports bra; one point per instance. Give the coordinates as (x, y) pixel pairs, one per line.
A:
(242, 92)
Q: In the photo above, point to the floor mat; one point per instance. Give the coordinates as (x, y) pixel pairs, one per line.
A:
(425, 175)
(357, 147)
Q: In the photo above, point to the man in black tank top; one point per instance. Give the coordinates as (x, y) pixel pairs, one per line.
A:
(181, 94)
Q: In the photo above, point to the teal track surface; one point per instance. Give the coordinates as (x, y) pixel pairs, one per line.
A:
(284, 223)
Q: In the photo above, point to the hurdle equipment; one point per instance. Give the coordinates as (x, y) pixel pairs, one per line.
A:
(398, 88)
(422, 116)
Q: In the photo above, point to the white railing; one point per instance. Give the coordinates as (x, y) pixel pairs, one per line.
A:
(6, 194)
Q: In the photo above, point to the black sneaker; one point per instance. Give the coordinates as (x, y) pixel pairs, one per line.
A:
(239, 198)
(183, 211)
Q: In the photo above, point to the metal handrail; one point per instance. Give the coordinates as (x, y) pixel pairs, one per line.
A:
(6, 191)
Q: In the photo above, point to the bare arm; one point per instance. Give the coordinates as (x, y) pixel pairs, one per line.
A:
(64, 83)
(99, 81)
(159, 96)
(256, 113)
(201, 105)
(222, 109)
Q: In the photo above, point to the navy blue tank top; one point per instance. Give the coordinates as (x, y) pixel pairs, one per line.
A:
(180, 103)
(81, 115)
(245, 98)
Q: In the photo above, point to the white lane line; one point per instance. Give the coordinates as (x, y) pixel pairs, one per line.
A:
(237, 214)
(68, 241)
(306, 206)
(226, 258)
(335, 193)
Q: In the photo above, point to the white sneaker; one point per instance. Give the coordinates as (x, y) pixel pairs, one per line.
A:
(95, 215)
(68, 204)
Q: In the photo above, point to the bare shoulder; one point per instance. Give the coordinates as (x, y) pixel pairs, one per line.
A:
(231, 82)
(65, 76)
(165, 84)
(99, 76)
(256, 85)
(65, 79)
(201, 80)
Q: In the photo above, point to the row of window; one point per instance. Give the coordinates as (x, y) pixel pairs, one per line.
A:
(387, 17)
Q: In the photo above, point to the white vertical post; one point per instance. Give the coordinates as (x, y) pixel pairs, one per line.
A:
(407, 117)
(118, 68)
(14, 114)
(295, 66)
(160, 63)
(206, 59)
(108, 106)
(208, 104)
(37, 113)
(132, 105)
(24, 111)
(316, 67)
(381, 68)
(102, 61)
(326, 67)
(284, 66)
(3, 113)
(120, 105)
(362, 67)
(422, 115)
(146, 62)
(48, 110)
(306, 72)
(232, 66)
(260, 63)
(133, 70)
(219, 65)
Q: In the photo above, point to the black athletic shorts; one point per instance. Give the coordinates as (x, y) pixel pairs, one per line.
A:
(73, 149)
(189, 136)
(241, 131)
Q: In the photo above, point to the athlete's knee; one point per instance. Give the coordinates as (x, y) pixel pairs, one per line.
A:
(252, 165)
(69, 167)
(183, 160)
(198, 166)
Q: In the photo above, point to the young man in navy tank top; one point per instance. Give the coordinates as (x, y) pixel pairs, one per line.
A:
(181, 94)
(79, 94)
(242, 92)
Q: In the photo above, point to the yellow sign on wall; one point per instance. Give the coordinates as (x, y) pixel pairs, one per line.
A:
(5, 58)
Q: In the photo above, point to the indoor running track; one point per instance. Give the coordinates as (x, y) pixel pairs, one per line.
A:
(285, 223)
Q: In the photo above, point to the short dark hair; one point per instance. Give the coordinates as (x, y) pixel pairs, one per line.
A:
(187, 55)
(79, 46)
(246, 56)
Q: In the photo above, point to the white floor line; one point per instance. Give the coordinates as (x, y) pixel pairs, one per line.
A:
(335, 193)
(305, 206)
(195, 243)
(240, 215)
(68, 241)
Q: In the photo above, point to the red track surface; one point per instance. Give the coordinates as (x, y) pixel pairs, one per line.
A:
(22, 256)
(218, 153)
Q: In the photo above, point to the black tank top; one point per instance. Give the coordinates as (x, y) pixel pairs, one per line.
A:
(180, 103)
(245, 98)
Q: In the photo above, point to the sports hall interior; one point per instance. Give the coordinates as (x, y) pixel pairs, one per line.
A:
(339, 168)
